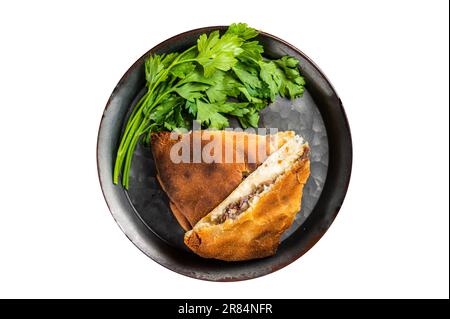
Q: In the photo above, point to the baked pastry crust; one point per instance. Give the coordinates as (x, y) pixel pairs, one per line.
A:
(256, 232)
(194, 189)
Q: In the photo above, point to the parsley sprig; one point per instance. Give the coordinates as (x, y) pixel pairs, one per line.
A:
(223, 75)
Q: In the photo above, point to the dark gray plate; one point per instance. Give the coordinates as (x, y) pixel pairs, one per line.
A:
(143, 213)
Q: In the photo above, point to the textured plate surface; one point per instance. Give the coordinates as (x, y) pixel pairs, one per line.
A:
(143, 212)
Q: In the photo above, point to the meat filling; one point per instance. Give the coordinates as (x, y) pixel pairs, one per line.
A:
(233, 210)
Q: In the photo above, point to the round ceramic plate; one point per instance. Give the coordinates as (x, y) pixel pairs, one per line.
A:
(143, 211)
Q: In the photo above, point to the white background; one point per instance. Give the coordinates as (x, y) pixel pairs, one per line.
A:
(60, 61)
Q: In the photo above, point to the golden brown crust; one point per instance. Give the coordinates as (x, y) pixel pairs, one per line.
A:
(195, 189)
(256, 233)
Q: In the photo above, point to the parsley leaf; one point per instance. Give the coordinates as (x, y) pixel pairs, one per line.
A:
(175, 120)
(191, 107)
(242, 30)
(215, 52)
(154, 70)
(192, 90)
(234, 108)
(182, 69)
(249, 97)
(208, 115)
(250, 119)
(292, 83)
(167, 59)
(197, 76)
(270, 76)
(247, 75)
(165, 109)
(252, 52)
(220, 91)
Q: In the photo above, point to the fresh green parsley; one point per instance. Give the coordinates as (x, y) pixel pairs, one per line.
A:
(221, 76)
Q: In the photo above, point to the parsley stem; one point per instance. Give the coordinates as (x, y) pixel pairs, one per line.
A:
(138, 108)
(130, 151)
(125, 138)
(122, 153)
(187, 51)
(183, 61)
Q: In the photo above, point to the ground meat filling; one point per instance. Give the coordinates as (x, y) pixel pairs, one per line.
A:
(233, 210)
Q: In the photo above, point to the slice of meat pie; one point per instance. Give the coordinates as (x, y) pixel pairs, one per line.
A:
(248, 224)
(195, 185)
